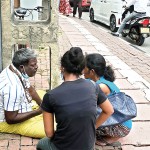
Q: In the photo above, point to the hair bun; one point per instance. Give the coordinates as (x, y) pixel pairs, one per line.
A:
(76, 55)
(73, 61)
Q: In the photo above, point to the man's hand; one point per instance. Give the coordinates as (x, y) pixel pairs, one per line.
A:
(39, 111)
(35, 95)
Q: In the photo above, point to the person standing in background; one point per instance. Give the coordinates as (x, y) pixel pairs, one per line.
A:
(77, 4)
(140, 9)
(64, 7)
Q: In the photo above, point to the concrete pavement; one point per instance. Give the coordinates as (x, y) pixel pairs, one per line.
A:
(132, 70)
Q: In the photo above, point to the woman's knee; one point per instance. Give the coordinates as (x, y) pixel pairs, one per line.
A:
(43, 144)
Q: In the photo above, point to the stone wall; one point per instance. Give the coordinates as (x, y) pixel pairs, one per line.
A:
(38, 36)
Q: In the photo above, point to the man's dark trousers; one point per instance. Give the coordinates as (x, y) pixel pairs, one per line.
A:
(77, 3)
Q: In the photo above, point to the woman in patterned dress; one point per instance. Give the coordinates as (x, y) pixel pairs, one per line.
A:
(97, 70)
(64, 7)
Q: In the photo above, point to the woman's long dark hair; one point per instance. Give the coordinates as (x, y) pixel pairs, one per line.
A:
(98, 64)
(73, 61)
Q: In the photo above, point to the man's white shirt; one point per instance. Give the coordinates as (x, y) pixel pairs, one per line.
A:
(12, 94)
(139, 5)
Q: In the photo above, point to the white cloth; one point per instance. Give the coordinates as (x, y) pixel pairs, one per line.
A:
(139, 5)
(12, 95)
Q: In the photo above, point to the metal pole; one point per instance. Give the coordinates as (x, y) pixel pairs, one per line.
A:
(0, 39)
(50, 78)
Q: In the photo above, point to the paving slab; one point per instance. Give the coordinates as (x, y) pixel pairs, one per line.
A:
(104, 53)
(26, 141)
(80, 43)
(67, 28)
(142, 114)
(14, 144)
(73, 37)
(119, 75)
(147, 92)
(80, 40)
(77, 33)
(117, 63)
(105, 148)
(3, 148)
(129, 147)
(137, 95)
(124, 84)
(139, 135)
(28, 148)
(3, 143)
(17, 142)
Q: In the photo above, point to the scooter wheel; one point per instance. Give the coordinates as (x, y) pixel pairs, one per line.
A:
(124, 34)
(140, 40)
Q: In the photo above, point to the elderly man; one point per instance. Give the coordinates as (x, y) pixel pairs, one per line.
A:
(16, 94)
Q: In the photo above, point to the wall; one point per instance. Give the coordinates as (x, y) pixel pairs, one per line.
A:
(39, 36)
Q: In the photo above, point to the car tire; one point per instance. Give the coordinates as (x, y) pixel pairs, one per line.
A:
(91, 15)
(113, 27)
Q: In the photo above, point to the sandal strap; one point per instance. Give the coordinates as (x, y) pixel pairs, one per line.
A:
(115, 144)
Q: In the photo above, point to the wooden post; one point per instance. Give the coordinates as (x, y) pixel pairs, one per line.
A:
(16, 3)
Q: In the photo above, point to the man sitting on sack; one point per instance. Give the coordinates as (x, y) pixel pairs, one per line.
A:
(16, 94)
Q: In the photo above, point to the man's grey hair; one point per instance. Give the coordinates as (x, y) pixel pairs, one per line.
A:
(22, 56)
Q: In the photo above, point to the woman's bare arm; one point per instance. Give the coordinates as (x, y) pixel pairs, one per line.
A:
(107, 111)
(48, 119)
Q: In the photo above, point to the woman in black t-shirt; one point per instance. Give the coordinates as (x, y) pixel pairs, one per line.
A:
(74, 105)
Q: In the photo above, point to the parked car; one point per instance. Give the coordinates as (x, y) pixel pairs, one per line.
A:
(108, 12)
(85, 4)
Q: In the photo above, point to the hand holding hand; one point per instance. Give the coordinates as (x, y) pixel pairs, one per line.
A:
(38, 111)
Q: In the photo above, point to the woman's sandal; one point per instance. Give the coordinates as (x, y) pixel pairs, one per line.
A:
(102, 142)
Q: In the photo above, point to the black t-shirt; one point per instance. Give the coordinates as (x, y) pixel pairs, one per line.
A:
(74, 105)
